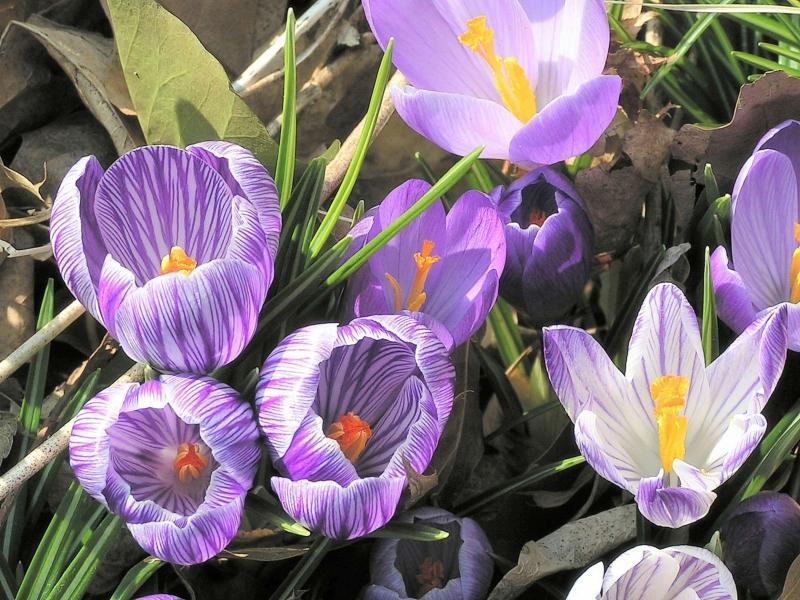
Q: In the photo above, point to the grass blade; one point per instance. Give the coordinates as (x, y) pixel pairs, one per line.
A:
(136, 577)
(284, 169)
(710, 329)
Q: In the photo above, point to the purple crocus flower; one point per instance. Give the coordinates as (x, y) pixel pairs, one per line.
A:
(549, 244)
(670, 430)
(445, 267)
(521, 77)
(765, 235)
(647, 573)
(458, 567)
(760, 540)
(171, 250)
(160, 597)
(344, 409)
(173, 457)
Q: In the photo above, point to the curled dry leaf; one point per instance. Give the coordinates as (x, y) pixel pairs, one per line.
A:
(573, 546)
(8, 428)
(16, 298)
(762, 105)
(418, 484)
(647, 144)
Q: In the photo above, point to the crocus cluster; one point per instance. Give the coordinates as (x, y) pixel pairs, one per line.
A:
(765, 236)
(521, 77)
(647, 573)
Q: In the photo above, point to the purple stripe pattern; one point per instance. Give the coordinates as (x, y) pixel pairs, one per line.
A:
(457, 568)
(454, 291)
(761, 270)
(173, 457)
(112, 231)
(647, 573)
(623, 431)
(389, 374)
(549, 244)
(523, 78)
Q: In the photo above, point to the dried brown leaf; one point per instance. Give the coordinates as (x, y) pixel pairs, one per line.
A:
(791, 587)
(647, 144)
(16, 299)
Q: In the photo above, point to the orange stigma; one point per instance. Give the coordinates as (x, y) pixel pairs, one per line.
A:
(351, 433)
(509, 77)
(431, 576)
(189, 461)
(794, 269)
(669, 397)
(416, 295)
(177, 261)
(537, 217)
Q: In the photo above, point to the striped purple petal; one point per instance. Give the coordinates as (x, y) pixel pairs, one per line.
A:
(174, 457)
(734, 304)
(389, 372)
(669, 506)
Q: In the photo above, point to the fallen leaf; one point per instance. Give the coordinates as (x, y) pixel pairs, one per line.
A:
(791, 588)
(181, 93)
(553, 499)
(268, 554)
(8, 428)
(647, 144)
(418, 484)
(91, 64)
(16, 298)
(761, 105)
(572, 546)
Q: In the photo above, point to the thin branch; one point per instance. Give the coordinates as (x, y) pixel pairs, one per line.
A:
(40, 339)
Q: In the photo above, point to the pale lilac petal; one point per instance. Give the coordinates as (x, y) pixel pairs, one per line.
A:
(784, 138)
(432, 57)
(703, 572)
(288, 384)
(248, 178)
(735, 445)
(764, 213)
(338, 512)
(569, 125)
(114, 285)
(571, 43)
(194, 323)
(157, 197)
(589, 585)
(649, 578)
(734, 304)
(672, 506)
(78, 249)
(458, 123)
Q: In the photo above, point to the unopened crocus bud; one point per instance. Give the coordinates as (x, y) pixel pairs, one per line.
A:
(549, 244)
(760, 540)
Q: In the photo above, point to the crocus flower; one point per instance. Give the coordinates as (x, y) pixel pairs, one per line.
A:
(344, 409)
(173, 457)
(171, 250)
(444, 266)
(647, 573)
(458, 567)
(760, 540)
(160, 597)
(521, 77)
(549, 244)
(670, 430)
(764, 236)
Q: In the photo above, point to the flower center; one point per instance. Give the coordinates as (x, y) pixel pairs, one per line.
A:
(537, 217)
(669, 396)
(189, 461)
(177, 261)
(416, 296)
(794, 269)
(509, 77)
(431, 576)
(351, 433)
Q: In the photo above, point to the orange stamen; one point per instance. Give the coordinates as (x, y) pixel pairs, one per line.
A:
(177, 261)
(189, 461)
(794, 269)
(537, 217)
(669, 396)
(431, 576)
(351, 433)
(416, 295)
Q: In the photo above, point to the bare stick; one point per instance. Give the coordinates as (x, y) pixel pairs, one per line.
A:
(38, 458)
(40, 339)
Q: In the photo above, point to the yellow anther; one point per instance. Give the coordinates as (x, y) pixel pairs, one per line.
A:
(431, 576)
(669, 398)
(509, 77)
(794, 269)
(177, 261)
(416, 295)
(398, 294)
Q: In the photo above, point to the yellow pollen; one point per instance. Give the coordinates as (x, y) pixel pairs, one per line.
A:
(177, 261)
(669, 396)
(794, 269)
(431, 576)
(509, 77)
(351, 433)
(416, 295)
(189, 461)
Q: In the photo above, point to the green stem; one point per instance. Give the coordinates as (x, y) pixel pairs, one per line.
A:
(303, 570)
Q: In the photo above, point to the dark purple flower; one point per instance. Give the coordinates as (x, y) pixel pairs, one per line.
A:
(171, 250)
(342, 408)
(765, 235)
(456, 568)
(521, 77)
(549, 244)
(445, 267)
(160, 597)
(173, 457)
(760, 540)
